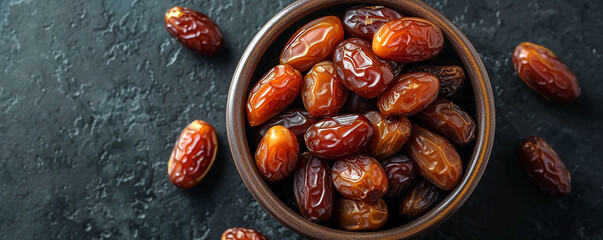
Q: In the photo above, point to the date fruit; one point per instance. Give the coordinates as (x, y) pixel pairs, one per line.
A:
(542, 164)
(408, 40)
(323, 93)
(358, 104)
(359, 177)
(401, 172)
(436, 159)
(313, 188)
(275, 91)
(541, 70)
(194, 30)
(391, 133)
(340, 136)
(451, 77)
(312, 43)
(449, 120)
(296, 120)
(193, 155)
(360, 69)
(359, 215)
(241, 233)
(421, 198)
(277, 154)
(364, 21)
(411, 93)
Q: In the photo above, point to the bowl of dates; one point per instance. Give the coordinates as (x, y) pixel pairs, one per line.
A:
(358, 119)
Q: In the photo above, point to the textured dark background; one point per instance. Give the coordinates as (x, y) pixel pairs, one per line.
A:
(94, 93)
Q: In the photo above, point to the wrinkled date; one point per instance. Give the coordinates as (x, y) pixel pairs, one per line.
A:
(360, 69)
(313, 188)
(420, 199)
(391, 134)
(323, 93)
(411, 93)
(193, 154)
(277, 154)
(451, 77)
(312, 43)
(358, 215)
(275, 91)
(408, 40)
(544, 167)
(541, 70)
(241, 233)
(296, 120)
(339, 136)
(359, 177)
(401, 172)
(358, 104)
(194, 30)
(449, 120)
(436, 159)
(364, 21)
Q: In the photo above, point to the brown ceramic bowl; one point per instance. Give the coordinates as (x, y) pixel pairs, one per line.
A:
(262, 54)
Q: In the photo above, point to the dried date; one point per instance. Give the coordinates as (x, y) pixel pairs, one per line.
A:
(542, 164)
(401, 172)
(296, 120)
(391, 133)
(449, 120)
(313, 188)
(364, 21)
(194, 30)
(358, 104)
(277, 154)
(359, 215)
(451, 77)
(323, 93)
(340, 136)
(359, 177)
(421, 198)
(411, 93)
(241, 233)
(408, 40)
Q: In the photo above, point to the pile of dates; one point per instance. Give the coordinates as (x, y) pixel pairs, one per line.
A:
(358, 121)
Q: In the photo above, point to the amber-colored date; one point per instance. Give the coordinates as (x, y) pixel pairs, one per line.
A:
(275, 91)
(541, 70)
(364, 21)
(436, 159)
(451, 77)
(340, 136)
(358, 104)
(449, 120)
(312, 43)
(401, 172)
(193, 154)
(241, 233)
(277, 154)
(313, 188)
(296, 120)
(360, 69)
(194, 30)
(359, 177)
(421, 198)
(359, 215)
(542, 164)
(408, 40)
(391, 133)
(411, 93)
(323, 93)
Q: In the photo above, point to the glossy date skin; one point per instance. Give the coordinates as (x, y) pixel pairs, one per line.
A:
(542, 164)
(541, 70)
(296, 120)
(411, 93)
(448, 120)
(275, 91)
(391, 134)
(313, 188)
(241, 233)
(193, 155)
(451, 77)
(359, 215)
(401, 173)
(358, 104)
(408, 40)
(194, 30)
(360, 69)
(364, 21)
(340, 136)
(436, 159)
(312, 43)
(323, 93)
(421, 198)
(277, 154)
(359, 177)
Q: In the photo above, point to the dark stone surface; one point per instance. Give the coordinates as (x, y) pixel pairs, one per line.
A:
(94, 93)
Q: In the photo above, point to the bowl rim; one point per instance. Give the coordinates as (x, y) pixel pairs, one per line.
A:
(244, 161)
